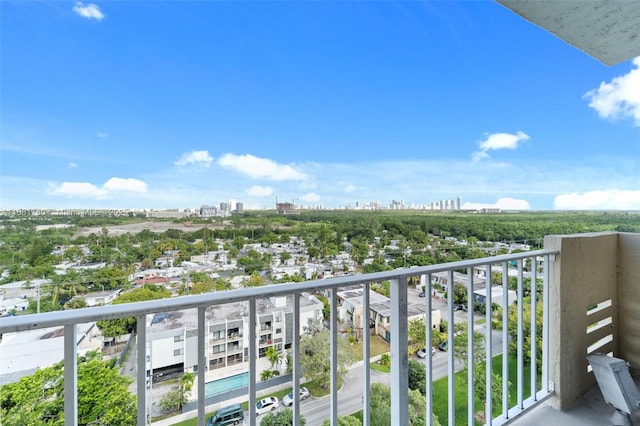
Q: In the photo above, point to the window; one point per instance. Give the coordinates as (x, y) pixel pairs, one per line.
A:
(178, 352)
(179, 338)
(278, 330)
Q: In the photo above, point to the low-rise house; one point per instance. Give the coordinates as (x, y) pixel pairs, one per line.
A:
(19, 289)
(239, 280)
(91, 266)
(12, 304)
(351, 310)
(100, 298)
(497, 296)
(21, 354)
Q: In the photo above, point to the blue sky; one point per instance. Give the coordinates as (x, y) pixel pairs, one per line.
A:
(174, 104)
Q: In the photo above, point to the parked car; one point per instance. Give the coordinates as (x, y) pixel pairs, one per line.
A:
(422, 353)
(267, 404)
(421, 294)
(444, 346)
(288, 399)
(460, 307)
(231, 415)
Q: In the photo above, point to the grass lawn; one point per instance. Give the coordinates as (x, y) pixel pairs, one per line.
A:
(440, 394)
(316, 390)
(377, 346)
(380, 368)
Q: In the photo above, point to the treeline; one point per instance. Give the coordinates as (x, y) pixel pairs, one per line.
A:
(509, 227)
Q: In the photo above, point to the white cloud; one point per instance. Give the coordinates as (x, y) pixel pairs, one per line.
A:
(73, 166)
(502, 204)
(620, 98)
(257, 168)
(89, 11)
(102, 134)
(79, 189)
(608, 199)
(197, 158)
(311, 197)
(495, 141)
(89, 190)
(349, 188)
(120, 184)
(260, 191)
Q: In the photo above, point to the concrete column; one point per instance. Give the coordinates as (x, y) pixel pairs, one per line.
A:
(582, 276)
(629, 300)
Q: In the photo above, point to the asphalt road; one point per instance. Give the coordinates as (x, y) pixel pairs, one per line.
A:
(316, 410)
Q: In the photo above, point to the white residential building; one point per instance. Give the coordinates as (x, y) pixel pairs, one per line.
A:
(172, 336)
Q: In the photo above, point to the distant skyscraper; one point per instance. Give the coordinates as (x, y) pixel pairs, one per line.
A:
(458, 201)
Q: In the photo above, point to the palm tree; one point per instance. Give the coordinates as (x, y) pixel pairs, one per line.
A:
(273, 355)
(186, 383)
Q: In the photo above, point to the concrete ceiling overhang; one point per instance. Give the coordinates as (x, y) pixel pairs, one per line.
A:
(606, 30)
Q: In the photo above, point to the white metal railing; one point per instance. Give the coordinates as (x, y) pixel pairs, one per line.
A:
(399, 349)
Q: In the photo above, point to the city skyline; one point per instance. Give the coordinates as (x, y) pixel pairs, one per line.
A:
(163, 105)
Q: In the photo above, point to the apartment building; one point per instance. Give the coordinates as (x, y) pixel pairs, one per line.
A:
(172, 336)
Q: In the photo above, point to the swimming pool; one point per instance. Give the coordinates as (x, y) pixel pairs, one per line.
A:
(226, 384)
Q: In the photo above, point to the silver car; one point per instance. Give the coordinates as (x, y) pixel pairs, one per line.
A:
(267, 404)
(288, 399)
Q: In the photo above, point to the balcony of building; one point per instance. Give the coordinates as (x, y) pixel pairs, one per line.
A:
(588, 300)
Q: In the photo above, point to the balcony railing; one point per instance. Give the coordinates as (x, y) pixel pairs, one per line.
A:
(539, 378)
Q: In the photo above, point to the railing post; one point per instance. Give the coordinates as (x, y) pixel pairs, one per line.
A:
(488, 340)
(451, 406)
(470, 351)
(520, 387)
(399, 360)
(505, 340)
(141, 332)
(366, 354)
(296, 358)
(70, 376)
(202, 364)
(533, 327)
(253, 354)
(429, 331)
(334, 357)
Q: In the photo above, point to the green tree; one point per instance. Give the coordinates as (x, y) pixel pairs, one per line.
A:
(273, 355)
(345, 421)
(281, 418)
(526, 330)
(381, 406)
(103, 396)
(266, 375)
(255, 280)
(76, 303)
(417, 333)
(284, 256)
(187, 380)
(385, 359)
(417, 376)
(173, 401)
(315, 359)
(120, 326)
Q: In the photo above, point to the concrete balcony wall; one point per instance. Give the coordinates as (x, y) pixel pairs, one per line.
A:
(629, 300)
(594, 307)
(583, 275)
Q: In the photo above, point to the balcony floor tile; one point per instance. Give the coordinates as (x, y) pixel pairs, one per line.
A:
(590, 410)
